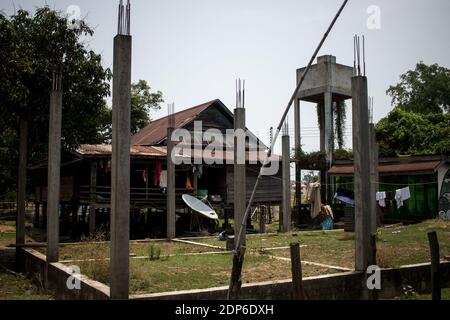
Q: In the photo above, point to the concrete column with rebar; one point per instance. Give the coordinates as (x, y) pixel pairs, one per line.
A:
(120, 168)
(239, 175)
(286, 167)
(54, 167)
(171, 201)
(361, 153)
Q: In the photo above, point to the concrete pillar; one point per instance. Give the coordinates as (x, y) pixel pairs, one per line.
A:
(328, 141)
(240, 195)
(361, 153)
(54, 167)
(298, 144)
(92, 196)
(374, 179)
(22, 182)
(120, 168)
(171, 201)
(285, 217)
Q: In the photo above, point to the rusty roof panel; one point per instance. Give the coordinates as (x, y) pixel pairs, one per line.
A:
(136, 151)
(156, 131)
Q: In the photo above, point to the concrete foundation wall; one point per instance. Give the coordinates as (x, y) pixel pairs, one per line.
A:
(33, 264)
(342, 286)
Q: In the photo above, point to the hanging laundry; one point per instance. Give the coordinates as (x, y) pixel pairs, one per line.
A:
(345, 196)
(157, 172)
(381, 198)
(327, 211)
(313, 198)
(402, 195)
(188, 183)
(199, 170)
(163, 179)
(144, 175)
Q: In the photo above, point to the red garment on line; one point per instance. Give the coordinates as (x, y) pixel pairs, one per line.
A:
(157, 172)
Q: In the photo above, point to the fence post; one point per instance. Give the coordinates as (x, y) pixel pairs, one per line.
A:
(296, 265)
(435, 274)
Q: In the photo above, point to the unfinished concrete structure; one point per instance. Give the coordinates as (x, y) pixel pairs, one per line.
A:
(240, 202)
(326, 83)
(54, 168)
(120, 175)
(362, 165)
(171, 205)
(285, 216)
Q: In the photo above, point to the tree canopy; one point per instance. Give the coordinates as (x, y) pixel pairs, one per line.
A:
(426, 89)
(142, 103)
(419, 124)
(410, 133)
(33, 47)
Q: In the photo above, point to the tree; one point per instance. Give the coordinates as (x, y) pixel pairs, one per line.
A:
(423, 90)
(33, 47)
(409, 133)
(142, 103)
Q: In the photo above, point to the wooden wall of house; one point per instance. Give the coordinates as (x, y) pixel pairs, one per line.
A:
(212, 118)
(269, 188)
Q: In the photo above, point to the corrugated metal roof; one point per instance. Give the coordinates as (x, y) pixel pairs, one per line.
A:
(106, 149)
(156, 131)
(390, 168)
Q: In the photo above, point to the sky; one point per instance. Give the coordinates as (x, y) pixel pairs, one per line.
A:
(193, 50)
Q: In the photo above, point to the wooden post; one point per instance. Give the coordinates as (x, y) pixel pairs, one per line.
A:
(296, 267)
(22, 182)
(236, 281)
(92, 197)
(435, 266)
(262, 223)
(37, 207)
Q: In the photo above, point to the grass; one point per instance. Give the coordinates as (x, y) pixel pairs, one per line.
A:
(397, 246)
(205, 271)
(410, 294)
(18, 287)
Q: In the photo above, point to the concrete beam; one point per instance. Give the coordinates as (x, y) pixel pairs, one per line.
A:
(361, 153)
(22, 182)
(286, 167)
(120, 175)
(54, 167)
(171, 204)
(240, 195)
